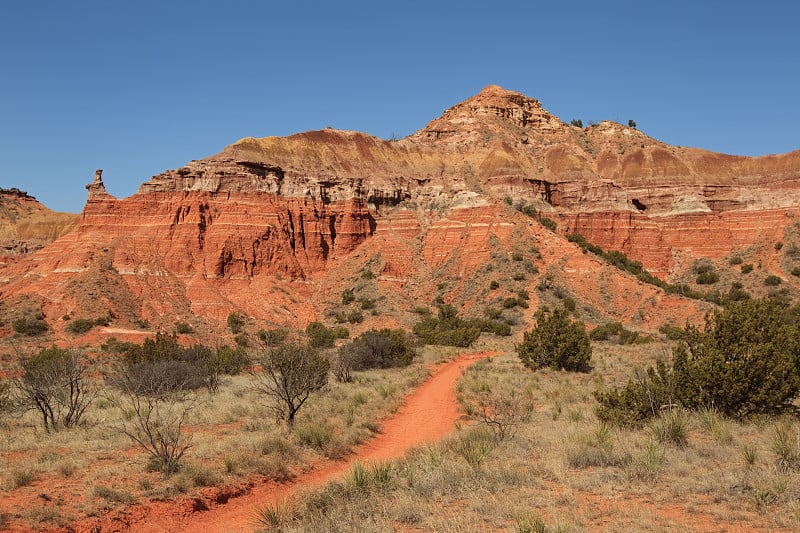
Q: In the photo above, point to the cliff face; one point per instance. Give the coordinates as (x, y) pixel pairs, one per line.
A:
(27, 226)
(277, 227)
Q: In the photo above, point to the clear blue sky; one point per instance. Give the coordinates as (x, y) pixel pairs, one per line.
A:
(138, 87)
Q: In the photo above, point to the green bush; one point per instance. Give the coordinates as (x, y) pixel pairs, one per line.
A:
(707, 278)
(319, 335)
(385, 348)
(30, 326)
(548, 223)
(673, 333)
(272, 337)
(747, 268)
(494, 285)
(182, 328)
(796, 271)
(446, 330)
(235, 323)
(556, 342)
(736, 260)
(744, 363)
(80, 325)
(348, 297)
(772, 281)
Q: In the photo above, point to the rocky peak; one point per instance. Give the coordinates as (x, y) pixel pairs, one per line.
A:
(97, 187)
(492, 111)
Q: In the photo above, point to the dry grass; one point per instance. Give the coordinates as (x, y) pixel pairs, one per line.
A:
(564, 471)
(233, 437)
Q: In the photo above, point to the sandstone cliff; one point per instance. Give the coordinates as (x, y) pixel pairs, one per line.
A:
(276, 228)
(26, 225)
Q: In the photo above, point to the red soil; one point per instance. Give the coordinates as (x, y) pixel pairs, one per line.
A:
(427, 415)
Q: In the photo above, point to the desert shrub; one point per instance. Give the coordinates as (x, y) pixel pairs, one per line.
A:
(493, 313)
(578, 123)
(548, 223)
(55, 384)
(290, 373)
(640, 400)
(747, 268)
(348, 297)
(772, 281)
(241, 339)
(366, 304)
(707, 278)
(493, 326)
(183, 328)
(796, 271)
(529, 210)
(673, 333)
(235, 323)
(355, 317)
(30, 326)
(385, 348)
(778, 246)
(319, 335)
(80, 325)
(744, 363)
(447, 330)
(272, 337)
(5, 396)
(161, 365)
(606, 331)
(736, 260)
(516, 256)
(157, 410)
(557, 342)
(736, 293)
(494, 285)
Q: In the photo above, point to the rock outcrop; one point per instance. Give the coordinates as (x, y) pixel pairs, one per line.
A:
(276, 227)
(27, 226)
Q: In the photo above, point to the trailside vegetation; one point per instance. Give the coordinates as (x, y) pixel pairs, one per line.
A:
(556, 341)
(745, 362)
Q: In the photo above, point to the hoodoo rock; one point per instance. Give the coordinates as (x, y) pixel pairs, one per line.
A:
(277, 227)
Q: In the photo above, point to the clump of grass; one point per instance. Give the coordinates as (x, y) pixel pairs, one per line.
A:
(649, 464)
(475, 445)
(716, 425)
(532, 523)
(315, 435)
(112, 495)
(672, 428)
(273, 515)
(200, 476)
(786, 445)
(22, 477)
(750, 455)
(596, 449)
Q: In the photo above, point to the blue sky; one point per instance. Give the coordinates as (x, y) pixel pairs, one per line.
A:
(139, 87)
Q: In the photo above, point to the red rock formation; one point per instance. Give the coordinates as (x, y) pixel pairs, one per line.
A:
(273, 227)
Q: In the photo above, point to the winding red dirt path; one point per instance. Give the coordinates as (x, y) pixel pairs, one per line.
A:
(427, 415)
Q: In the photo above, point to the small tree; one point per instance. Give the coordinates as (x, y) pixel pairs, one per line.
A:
(632, 124)
(290, 373)
(158, 406)
(272, 337)
(235, 323)
(319, 335)
(556, 342)
(384, 348)
(54, 384)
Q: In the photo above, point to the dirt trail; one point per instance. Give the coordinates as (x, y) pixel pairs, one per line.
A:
(427, 415)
